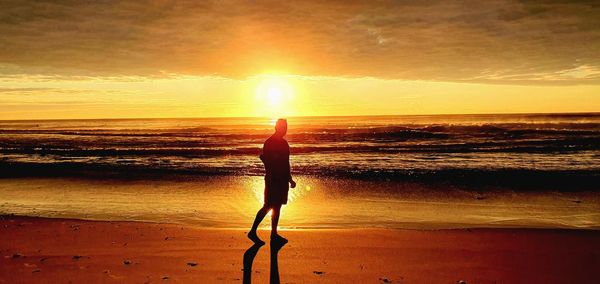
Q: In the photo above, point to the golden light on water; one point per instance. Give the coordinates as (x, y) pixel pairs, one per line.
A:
(258, 187)
(294, 194)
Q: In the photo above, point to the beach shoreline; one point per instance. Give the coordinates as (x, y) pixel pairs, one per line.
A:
(230, 202)
(36, 250)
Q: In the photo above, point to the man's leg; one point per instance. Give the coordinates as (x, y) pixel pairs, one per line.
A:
(275, 222)
(260, 215)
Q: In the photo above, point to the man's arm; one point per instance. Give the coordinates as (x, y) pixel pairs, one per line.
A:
(292, 182)
(290, 179)
(265, 158)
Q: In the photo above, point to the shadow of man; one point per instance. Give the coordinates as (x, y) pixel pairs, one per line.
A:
(275, 247)
(249, 256)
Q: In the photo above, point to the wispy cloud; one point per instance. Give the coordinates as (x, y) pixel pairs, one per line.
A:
(23, 90)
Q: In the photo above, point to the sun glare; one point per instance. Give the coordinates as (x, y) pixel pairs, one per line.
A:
(273, 97)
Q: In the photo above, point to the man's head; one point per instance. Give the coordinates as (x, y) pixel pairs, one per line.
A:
(281, 127)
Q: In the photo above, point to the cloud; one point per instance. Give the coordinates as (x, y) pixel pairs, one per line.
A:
(502, 41)
(23, 90)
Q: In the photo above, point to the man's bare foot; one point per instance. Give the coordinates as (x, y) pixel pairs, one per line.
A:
(278, 239)
(254, 237)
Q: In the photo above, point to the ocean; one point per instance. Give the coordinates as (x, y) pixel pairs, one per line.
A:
(441, 171)
(451, 147)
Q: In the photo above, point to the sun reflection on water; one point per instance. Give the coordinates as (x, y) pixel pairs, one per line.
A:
(294, 194)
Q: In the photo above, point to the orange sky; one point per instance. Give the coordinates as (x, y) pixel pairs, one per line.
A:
(266, 58)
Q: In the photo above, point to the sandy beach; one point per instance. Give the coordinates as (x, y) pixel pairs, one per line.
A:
(39, 250)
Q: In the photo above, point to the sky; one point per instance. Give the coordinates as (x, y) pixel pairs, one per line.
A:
(117, 59)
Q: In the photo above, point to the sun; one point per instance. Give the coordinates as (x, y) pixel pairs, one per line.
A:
(274, 95)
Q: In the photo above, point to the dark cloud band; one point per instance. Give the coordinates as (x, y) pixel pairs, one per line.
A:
(506, 41)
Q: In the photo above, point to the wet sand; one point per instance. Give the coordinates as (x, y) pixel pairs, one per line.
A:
(39, 250)
(317, 203)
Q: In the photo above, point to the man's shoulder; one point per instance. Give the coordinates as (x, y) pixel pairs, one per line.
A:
(273, 141)
(269, 141)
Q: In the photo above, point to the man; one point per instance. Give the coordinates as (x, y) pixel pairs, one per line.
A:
(276, 158)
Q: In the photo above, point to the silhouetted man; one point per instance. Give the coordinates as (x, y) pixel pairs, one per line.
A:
(276, 158)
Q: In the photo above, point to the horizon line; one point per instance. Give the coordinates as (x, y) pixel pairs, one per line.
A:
(314, 116)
